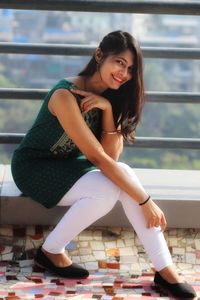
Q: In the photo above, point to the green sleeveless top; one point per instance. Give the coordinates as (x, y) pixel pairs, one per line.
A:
(47, 163)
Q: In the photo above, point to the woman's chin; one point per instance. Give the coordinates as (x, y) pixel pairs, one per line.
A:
(115, 86)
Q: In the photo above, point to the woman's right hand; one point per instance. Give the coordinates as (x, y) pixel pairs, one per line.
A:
(92, 100)
(154, 216)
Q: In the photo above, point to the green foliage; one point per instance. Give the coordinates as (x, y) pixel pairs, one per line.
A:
(161, 158)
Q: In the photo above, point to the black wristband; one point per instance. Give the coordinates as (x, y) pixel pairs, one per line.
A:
(145, 200)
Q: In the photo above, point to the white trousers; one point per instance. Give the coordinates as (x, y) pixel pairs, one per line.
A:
(92, 197)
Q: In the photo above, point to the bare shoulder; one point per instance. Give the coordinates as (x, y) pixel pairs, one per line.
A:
(59, 98)
(60, 93)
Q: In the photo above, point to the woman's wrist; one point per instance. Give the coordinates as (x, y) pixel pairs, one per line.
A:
(108, 108)
(145, 201)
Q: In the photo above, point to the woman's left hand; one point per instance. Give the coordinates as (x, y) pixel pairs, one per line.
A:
(91, 101)
(154, 215)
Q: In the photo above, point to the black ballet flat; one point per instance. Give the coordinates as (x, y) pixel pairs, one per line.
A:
(179, 290)
(72, 271)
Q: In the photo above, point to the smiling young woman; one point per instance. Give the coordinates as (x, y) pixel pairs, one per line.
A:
(70, 155)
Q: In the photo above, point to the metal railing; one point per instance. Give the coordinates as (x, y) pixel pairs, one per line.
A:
(142, 6)
(141, 142)
(158, 97)
(84, 50)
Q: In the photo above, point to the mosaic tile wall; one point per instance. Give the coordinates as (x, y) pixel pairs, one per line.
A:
(103, 248)
(117, 262)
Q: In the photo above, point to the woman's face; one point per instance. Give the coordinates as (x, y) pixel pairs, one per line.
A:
(117, 69)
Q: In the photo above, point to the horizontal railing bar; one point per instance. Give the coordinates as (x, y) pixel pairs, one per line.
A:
(87, 50)
(173, 97)
(143, 142)
(158, 97)
(47, 49)
(171, 52)
(22, 94)
(183, 7)
(11, 138)
(170, 143)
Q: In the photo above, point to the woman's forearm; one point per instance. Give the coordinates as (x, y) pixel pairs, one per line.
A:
(112, 146)
(111, 140)
(108, 123)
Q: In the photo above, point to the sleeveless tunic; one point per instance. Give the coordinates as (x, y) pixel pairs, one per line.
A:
(47, 163)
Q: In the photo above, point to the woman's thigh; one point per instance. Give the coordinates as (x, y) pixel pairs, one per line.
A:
(93, 184)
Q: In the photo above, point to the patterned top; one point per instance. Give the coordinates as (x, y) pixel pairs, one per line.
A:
(45, 144)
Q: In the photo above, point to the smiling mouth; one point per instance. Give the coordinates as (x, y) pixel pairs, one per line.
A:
(120, 81)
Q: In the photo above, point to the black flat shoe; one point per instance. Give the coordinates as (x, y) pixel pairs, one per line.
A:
(179, 290)
(72, 271)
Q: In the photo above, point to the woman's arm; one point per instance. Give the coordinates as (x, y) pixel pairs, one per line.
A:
(64, 106)
(111, 140)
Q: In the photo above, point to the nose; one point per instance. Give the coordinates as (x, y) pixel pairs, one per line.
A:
(124, 73)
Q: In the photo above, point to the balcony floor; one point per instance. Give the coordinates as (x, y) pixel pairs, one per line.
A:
(118, 265)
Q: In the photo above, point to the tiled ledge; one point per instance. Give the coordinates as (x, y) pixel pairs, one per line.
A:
(177, 192)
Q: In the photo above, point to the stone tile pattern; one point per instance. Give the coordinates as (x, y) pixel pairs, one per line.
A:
(117, 262)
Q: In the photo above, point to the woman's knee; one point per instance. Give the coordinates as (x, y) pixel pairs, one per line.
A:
(126, 168)
(132, 175)
(104, 187)
(102, 192)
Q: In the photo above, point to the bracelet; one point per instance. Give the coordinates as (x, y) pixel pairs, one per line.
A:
(149, 197)
(111, 132)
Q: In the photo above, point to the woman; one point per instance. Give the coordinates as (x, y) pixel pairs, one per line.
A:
(69, 158)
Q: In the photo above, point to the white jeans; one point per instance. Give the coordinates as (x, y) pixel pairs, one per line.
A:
(92, 197)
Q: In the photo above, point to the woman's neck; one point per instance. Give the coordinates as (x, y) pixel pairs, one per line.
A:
(94, 84)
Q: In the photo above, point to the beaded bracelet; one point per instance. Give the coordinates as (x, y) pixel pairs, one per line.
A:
(145, 200)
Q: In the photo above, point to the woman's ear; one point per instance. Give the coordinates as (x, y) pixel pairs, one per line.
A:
(98, 55)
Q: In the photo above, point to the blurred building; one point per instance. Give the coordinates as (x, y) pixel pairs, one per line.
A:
(6, 25)
(89, 28)
(172, 31)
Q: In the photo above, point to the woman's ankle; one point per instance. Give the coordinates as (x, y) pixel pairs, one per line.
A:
(170, 275)
(58, 259)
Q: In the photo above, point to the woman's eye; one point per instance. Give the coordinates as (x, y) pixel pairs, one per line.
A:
(121, 63)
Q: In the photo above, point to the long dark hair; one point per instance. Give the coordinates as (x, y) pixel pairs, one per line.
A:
(128, 101)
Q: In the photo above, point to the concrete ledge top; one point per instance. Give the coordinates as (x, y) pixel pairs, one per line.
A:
(171, 184)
